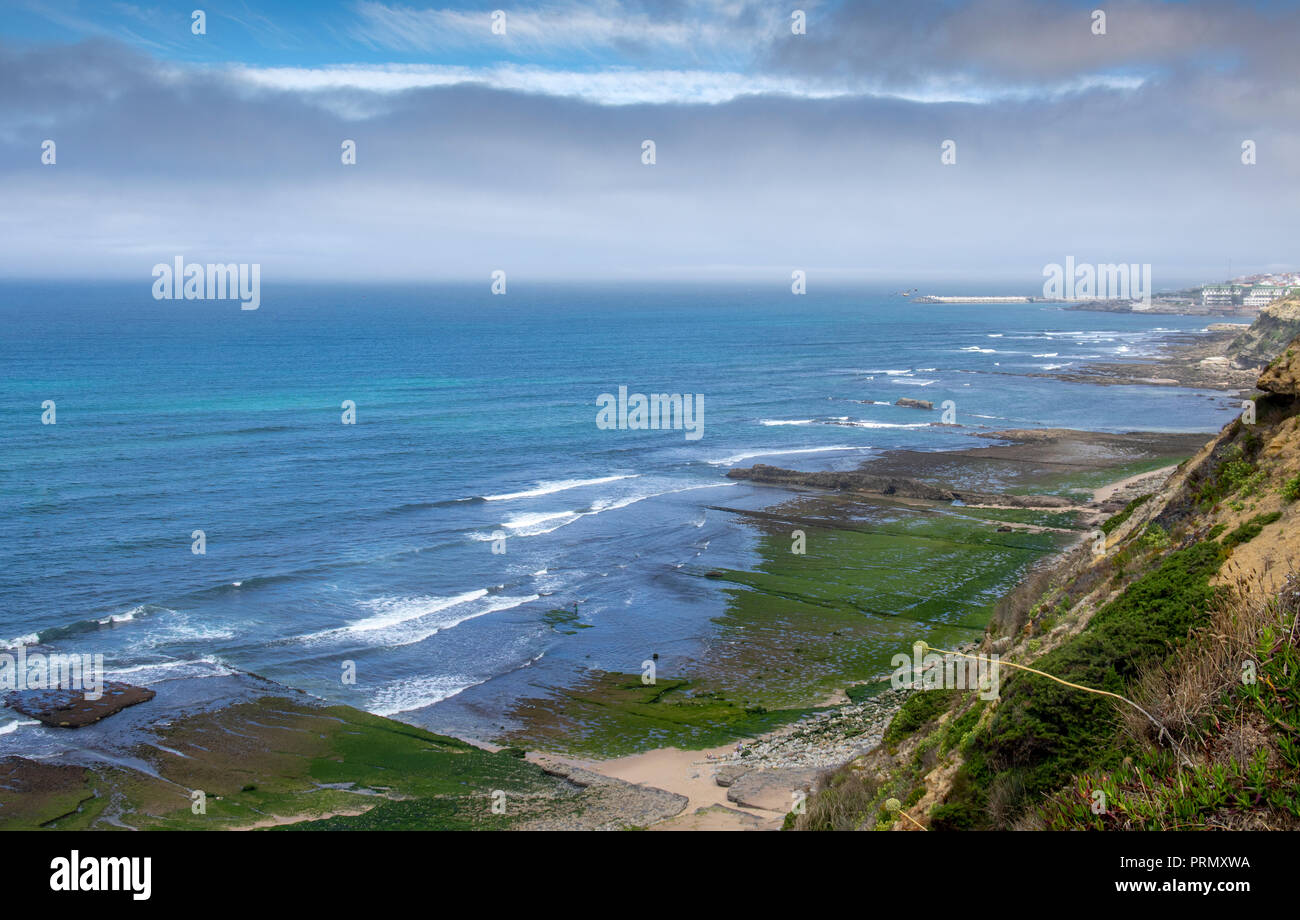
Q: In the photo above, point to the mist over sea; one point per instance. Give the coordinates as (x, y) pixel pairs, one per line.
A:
(475, 417)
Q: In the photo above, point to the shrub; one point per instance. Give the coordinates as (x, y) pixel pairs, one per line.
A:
(1155, 537)
(1048, 732)
(1250, 530)
(919, 708)
(1111, 523)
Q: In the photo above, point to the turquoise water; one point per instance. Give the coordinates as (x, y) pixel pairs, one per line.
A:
(475, 417)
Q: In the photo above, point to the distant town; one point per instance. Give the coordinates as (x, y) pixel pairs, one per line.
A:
(1243, 296)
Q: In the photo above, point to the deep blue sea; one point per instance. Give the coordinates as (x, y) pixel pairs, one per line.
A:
(475, 416)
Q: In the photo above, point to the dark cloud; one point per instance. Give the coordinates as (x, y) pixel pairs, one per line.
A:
(909, 45)
(454, 182)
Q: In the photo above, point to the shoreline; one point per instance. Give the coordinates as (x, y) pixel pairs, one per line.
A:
(1047, 453)
(1036, 478)
(752, 784)
(698, 775)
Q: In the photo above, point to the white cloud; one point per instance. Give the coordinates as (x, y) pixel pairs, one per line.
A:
(567, 26)
(625, 86)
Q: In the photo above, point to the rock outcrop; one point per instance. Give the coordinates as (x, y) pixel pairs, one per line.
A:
(892, 485)
(908, 403)
(72, 708)
(1276, 325)
(1282, 377)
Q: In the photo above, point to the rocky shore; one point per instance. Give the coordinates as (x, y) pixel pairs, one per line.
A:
(1208, 361)
(869, 483)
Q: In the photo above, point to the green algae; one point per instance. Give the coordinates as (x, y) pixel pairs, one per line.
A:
(276, 760)
(874, 578)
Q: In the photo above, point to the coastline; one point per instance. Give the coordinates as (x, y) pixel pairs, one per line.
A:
(1045, 489)
(1057, 460)
(752, 784)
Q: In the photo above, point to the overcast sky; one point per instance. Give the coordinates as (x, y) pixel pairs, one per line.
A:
(775, 151)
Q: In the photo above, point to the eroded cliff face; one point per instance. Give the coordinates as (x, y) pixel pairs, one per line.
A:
(1276, 325)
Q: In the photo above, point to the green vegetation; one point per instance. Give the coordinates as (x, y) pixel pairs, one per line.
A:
(1154, 537)
(1082, 484)
(874, 579)
(853, 799)
(274, 760)
(611, 714)
(1156, 790)
(920, 708)
(1250, 530)
(1206, 733)
(564, 621)
(1043, 733)
(1235, 473)
(1110, 524)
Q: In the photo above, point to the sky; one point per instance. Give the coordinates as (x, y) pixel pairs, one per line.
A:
(775, 150)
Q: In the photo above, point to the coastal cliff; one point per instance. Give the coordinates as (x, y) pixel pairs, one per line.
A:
(1277, 324)
(1182, 611)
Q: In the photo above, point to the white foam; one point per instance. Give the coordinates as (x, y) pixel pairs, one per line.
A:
(536, 524)
(181, 628)
(394, 611)
(558, 485)
(983, 351)
(163, 670)
(120, 617)
(406, 695)
(532, 525)
(863, 424)
(726, 461)
(908, 381)
(775, 422)
(10, 727)
(422, 617)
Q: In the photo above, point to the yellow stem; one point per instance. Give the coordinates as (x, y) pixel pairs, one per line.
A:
(1023, 667)
(913, 820)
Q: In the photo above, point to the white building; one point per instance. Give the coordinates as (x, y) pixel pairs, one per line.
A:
(1261, 295)
(1218, 295)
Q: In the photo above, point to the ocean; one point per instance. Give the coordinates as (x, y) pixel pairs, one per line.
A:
(426, 545)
